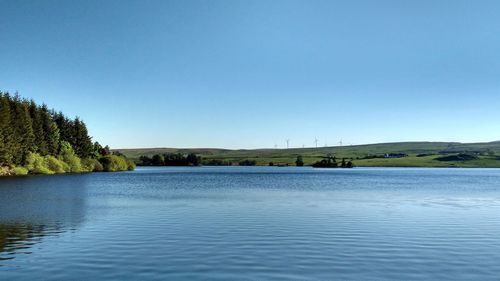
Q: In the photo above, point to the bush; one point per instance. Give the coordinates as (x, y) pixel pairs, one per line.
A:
(55, 165)
(458, 157)
(36, 164)
(65, 166)
(19, 171)
(424, 154)
(130, 164)
(87, 165)
(69, 157)
(91, 165)
(247, 163)
(113, 163)
(97, 166)
(74, 163)
(215, 162)
(5, 171)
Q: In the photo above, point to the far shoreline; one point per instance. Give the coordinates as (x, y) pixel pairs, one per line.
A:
(396, 154)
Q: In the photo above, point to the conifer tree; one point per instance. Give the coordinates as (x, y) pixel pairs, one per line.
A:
(97, 150)
(38, 132)
(53, 139)
(5, 130)
(23, 137)
(64, 125)
(50, 130)
(82, 142)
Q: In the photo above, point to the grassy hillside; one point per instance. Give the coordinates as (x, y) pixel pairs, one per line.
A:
(488, 154)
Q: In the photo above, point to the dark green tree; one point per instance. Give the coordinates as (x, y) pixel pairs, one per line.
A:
(40, 143)
(65, 126)
(52, 134)
(97, 150)
(157, 160)
(23, 130)
(82, 143)
(192, 159)
(5, 130)
(299, 162)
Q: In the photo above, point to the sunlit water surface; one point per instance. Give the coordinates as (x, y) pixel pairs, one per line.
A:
(252, 223)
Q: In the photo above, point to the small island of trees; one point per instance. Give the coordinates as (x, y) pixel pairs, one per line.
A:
(37, 140)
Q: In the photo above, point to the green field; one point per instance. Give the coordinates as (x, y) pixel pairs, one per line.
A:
(486, 154)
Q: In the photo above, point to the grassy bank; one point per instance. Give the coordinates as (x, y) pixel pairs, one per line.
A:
(420, 154)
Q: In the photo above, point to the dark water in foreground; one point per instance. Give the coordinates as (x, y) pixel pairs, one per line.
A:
(254, 223)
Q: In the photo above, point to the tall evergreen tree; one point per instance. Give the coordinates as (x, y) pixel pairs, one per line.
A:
(5, 130)
(23, 142)
(53, 139)
(65, 127)
(82, 142)
(40, 141)
(51, 131)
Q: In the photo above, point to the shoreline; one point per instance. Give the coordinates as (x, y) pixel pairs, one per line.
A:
(3, 175)
(309, 166)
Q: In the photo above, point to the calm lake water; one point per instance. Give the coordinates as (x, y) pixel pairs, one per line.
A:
(252, 223)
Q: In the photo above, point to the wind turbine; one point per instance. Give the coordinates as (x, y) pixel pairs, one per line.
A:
(340, 142)
(316, 142)
(287, 143)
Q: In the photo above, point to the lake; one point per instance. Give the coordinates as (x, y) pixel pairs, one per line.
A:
(252, 223)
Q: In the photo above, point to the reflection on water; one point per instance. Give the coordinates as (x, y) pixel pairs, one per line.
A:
(17, 239)
(32, 208)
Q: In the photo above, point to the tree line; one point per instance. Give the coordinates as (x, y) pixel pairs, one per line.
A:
(36, 139)
(170, 159)
(191, 159)
(330, 161)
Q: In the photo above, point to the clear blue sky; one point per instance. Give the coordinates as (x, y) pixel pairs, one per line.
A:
(246, 74)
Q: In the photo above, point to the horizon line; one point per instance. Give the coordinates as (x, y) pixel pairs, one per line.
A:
(308, 147)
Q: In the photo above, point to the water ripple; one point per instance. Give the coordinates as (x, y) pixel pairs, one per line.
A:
(253, 224)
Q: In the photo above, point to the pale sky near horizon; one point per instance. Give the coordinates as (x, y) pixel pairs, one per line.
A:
(251, 74)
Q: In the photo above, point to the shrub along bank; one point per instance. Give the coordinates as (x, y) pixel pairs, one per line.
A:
(68, 162)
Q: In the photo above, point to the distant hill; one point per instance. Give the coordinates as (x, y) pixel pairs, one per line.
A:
(419, 154)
